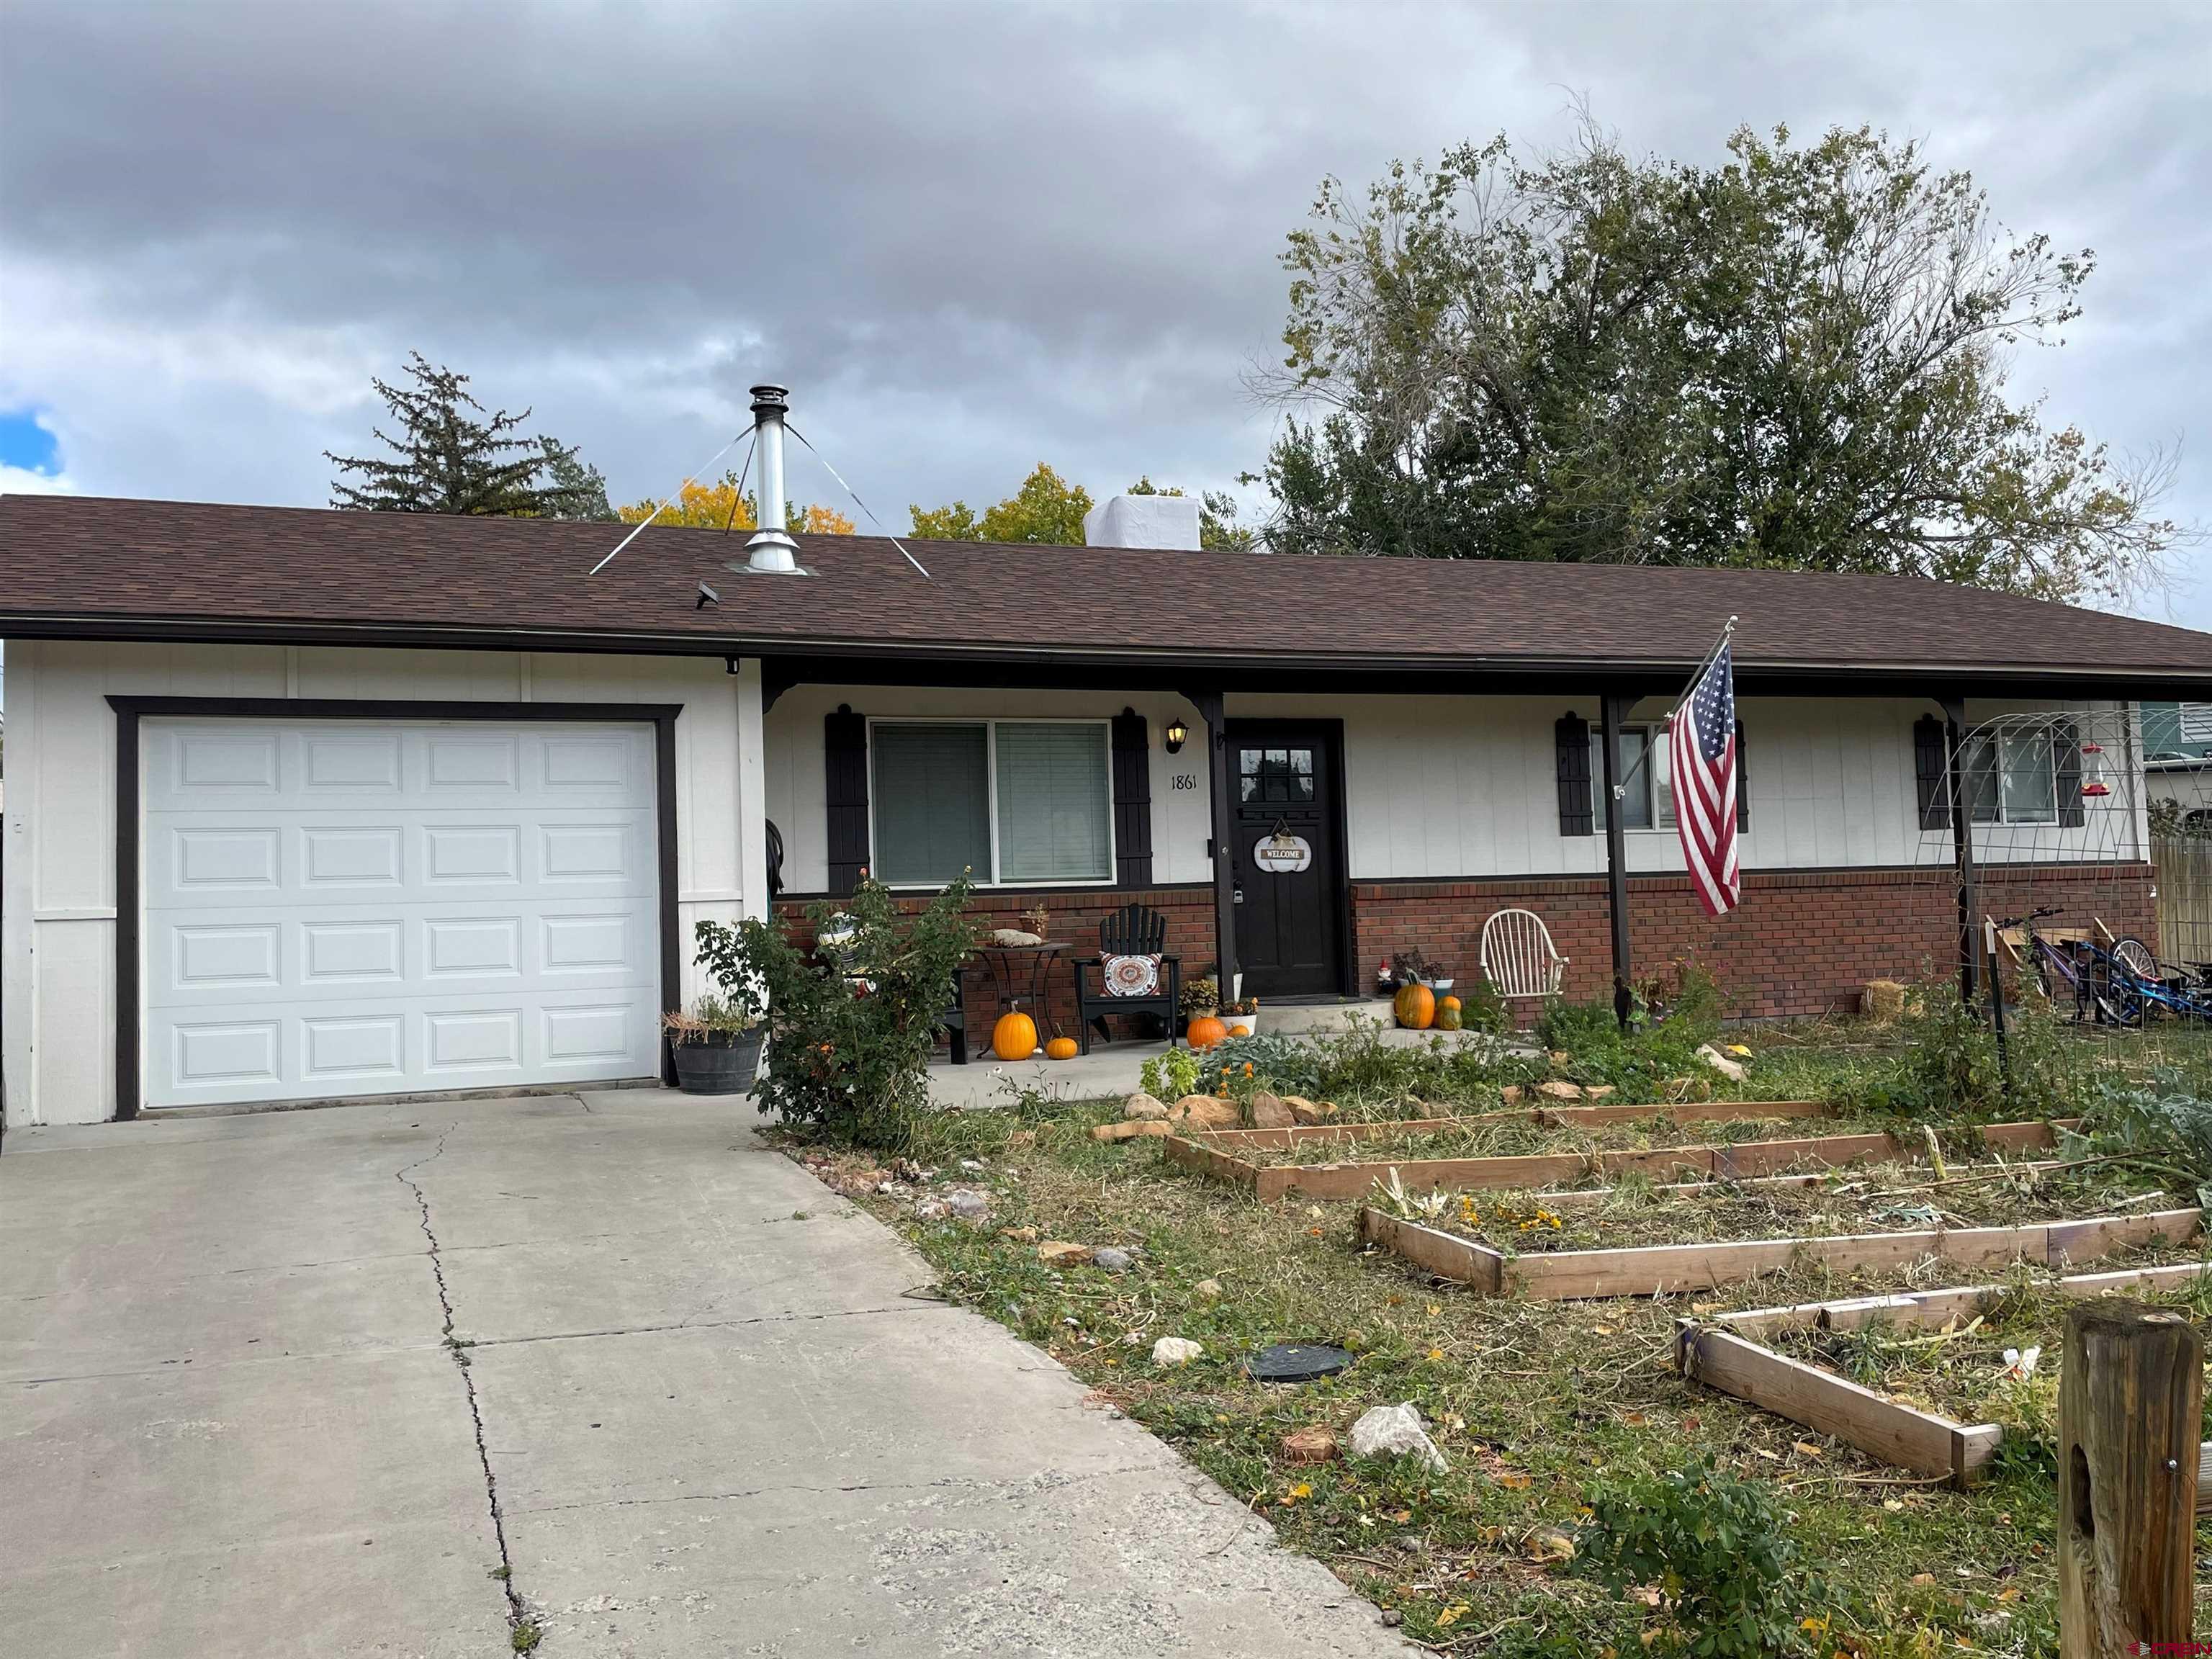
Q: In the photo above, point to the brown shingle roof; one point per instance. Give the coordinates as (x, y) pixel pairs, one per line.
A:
(89, 566)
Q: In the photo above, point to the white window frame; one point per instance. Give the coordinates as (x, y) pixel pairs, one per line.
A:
(1654, 740)
(1997, 740)
(991, 723)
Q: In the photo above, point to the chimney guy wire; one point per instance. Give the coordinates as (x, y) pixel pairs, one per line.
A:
(664, 506)
(858, 502)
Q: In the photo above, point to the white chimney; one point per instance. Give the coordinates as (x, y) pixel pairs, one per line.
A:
(1142, 521)
(771, 549)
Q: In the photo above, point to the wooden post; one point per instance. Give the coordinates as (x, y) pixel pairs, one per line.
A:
(1962, 844)
(1209, 707)
(2130, 1389)
(1613, 708)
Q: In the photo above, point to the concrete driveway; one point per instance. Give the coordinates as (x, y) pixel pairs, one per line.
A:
(700, 1412)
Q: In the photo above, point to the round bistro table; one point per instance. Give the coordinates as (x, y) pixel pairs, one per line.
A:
(1006, 971)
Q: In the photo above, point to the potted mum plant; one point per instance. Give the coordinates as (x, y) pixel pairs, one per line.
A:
(716, 1043)
(1241, 1015)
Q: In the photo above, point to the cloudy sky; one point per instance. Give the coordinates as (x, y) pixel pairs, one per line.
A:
(969, 237)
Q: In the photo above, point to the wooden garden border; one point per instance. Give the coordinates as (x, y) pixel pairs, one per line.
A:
(1745, 1158)
(1719, 1111)
(1820, 1399)
(1671, 1269)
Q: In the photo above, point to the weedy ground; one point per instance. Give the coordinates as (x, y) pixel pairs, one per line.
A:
(1536, 1405)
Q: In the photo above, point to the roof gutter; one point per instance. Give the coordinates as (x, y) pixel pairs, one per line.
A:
(854, 661)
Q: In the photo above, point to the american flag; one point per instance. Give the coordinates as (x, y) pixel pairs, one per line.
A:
(1701, 749)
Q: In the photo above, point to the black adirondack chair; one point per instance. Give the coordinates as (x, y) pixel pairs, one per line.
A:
(1131, 930)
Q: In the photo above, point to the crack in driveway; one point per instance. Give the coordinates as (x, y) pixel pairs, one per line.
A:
(518, 1615)
(1040, 1481)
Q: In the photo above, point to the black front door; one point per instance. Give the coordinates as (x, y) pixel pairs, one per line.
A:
(1286, 807)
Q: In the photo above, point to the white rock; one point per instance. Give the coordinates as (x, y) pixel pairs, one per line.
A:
(1176, 1351)
(1144, 1107)
(1395, 1432)
(1732, 1070)
(967, 1205)
(1113, 1261)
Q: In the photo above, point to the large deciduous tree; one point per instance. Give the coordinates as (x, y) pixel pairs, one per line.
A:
(1797, 357)
(449, 455)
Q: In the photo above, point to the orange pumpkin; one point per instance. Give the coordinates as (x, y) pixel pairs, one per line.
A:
(1014, 1038)
(1415, 1007)
(1204, 1032)
(1060, 1049)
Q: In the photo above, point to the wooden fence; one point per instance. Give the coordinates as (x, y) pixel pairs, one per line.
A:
(2184, 866)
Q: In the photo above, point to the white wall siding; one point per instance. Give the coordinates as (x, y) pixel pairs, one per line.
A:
(57, 1042)
(1441, 787)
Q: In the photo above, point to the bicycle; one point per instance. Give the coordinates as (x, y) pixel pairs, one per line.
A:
(2119, 984)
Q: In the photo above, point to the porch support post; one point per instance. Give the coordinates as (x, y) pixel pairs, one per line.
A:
(1613, 708)
(1208, 704)
(1962, 845)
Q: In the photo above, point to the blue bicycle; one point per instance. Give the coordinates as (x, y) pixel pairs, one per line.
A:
(2119, 983)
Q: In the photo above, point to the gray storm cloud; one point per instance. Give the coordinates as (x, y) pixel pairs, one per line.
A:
(970, 237)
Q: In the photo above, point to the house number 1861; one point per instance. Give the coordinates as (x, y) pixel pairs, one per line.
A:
(1182, 781)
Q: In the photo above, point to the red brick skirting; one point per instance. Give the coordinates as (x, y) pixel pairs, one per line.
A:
(1076, 913)
(1802, 942)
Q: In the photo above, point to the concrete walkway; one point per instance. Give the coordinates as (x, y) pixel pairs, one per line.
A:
(714, 1420)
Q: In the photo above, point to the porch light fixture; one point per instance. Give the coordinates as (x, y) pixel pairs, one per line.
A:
(1177, 734)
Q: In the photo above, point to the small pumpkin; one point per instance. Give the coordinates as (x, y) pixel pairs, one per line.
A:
(1204, 1032)
(1014, 1038)
(1415, 1007)
(1448, 1017)
(1060, 1048)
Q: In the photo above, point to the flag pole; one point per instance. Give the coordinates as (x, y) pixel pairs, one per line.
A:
(1621, 790)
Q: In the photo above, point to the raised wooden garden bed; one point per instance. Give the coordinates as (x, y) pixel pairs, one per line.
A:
(1715, 1111)
(1669, 1269)
(1215, 1155)
(1726, 1352)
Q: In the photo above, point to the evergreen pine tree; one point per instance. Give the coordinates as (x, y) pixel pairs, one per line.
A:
(450, 456)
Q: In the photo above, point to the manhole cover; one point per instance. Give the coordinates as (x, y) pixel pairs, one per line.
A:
(1296, 1362)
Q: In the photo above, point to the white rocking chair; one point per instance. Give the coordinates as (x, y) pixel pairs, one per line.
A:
(1518, 956)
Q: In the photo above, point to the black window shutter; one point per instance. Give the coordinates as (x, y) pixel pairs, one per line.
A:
(1132, 800)
(1742, 784)
(1576, 816)
(2066, 769)
(844, 773)
(1929, 765)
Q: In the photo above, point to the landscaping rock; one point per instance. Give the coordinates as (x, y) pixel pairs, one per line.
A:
(1554, 1089)
(1019, 1234)
(1310, 1446)
(1510, 1094)
(967, 1205)
(1176, 1351)
(1209, 1289)
(1395, 1432)
(1596, 1090)
(1143, 1106)
(1731, 1069)
(1131, 1129)
(1113, 1261)
(1306, 1111)
(1204, 1112)
(1058, 1253)
(1268, 1112)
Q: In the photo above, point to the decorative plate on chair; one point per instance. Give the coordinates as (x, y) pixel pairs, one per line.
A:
(1132, 976)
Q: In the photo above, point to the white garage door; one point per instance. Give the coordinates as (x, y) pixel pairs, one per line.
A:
(334, 907)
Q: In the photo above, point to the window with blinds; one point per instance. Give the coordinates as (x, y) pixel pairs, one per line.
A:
(1053, 802)
(1009, 801)
(930, 786)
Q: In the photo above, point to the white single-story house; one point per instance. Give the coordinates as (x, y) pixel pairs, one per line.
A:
(305, 804)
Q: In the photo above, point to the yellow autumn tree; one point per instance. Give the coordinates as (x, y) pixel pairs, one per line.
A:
(718, 505)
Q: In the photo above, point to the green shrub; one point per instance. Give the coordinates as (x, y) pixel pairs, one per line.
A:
(1578, 1028)
(1170, 1076)
(849, 1029)
(1289, 1066)
(2168, 1125)
(1719, 1550)
(1949, 1063)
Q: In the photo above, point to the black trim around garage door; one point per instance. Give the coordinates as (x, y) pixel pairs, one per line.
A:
(128, 711)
